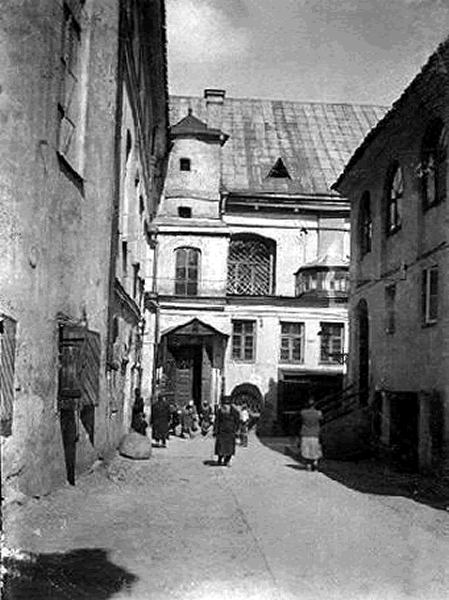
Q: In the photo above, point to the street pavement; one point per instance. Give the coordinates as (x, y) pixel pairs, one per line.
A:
(177, 527)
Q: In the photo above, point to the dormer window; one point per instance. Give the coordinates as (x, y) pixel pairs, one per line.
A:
(184, 164)
(279, 170)
(185, 212)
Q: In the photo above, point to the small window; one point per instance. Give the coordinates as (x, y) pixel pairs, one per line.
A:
(141, 205)
(187, 271)
(366, 224)
(184, 164)
(125, 258)
(244, 340)
(279, 170)
(7, 369)
(292, 342)
(185, 212)
(429, 299)
(390, 308)
(331, 350)
(136, 269)
(395, 193)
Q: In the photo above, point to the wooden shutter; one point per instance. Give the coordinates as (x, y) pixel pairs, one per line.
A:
(79, 367)
(7, 368)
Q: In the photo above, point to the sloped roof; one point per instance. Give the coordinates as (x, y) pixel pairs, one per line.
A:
(190, 125)
(314, 141)
(438, 63)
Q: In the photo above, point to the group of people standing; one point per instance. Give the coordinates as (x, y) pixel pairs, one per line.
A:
(226, 422)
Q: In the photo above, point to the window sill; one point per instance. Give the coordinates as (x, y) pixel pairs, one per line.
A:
(392, 232)
(248, 361)
(70, 173)
(429, 324)
(427, 207)
(291, 362)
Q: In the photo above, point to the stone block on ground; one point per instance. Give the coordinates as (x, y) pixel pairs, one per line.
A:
(135, 445)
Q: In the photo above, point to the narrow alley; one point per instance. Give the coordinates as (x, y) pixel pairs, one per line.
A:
(178, 527)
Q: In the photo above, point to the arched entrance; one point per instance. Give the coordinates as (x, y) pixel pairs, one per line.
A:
(249, 394)
(363, 350)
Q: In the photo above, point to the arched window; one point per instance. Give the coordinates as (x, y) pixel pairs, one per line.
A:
(433, 165)
(251, 266)
(365, 224)
(187, 271)
(394, 195)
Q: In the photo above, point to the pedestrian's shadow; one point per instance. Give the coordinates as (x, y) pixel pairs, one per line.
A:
(81, 573)
(211, 463)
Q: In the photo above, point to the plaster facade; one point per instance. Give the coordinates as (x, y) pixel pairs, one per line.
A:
(62, 110)
(404, 359)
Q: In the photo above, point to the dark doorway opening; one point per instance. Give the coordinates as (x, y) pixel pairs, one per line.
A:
(363, 354)
(404, 432)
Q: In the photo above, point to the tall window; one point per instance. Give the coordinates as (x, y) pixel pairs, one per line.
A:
(251, 266)
(292, 346)
(395, 193)
(244, 340)
(69, 105)
(433, 165)
(187, 271)
(366, 224)
(429, 292)
(331, 342)
(390, 308)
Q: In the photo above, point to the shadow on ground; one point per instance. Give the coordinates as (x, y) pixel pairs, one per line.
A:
(83, 573)
(371, 476)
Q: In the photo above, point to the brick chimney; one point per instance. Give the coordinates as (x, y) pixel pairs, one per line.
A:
(214, 104)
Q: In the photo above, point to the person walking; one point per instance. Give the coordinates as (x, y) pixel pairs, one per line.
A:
(189, 420)
(226, 427)
(311, 450)
(244, 426)
(160, 419)
(206, 418)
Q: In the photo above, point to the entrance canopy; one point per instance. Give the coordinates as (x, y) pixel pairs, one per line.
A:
(191, 333)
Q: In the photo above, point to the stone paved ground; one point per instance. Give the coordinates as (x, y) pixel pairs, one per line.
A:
(178, 528)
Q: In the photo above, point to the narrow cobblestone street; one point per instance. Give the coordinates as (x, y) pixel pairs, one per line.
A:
(178, 527)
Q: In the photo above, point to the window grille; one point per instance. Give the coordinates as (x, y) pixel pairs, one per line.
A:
(292, 336)
(243, 340)
(331, 342)
(250, 268)
(7, 369)
(187, 271)
(430, 295)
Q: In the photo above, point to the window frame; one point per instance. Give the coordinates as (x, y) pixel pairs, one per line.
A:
(390, 308)
(291, 337)
(238, 269)
(393, 225)
(434, 146)
(243, 336)
(429, 300)
(69, 105)
(328, 339)
(181, 284)
(365, 224)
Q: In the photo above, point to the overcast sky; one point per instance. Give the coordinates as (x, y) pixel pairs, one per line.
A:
(364, 51)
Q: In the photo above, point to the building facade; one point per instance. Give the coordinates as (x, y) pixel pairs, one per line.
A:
(84, 131)
(397, 183)
(253, 251)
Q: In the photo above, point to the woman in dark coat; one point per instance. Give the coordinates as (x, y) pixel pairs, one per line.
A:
(160, 419)
(226, 427)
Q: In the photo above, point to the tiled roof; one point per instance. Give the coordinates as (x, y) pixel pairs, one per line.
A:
(314, 141)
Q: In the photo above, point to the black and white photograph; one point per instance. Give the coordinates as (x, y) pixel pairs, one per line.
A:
(224, 299)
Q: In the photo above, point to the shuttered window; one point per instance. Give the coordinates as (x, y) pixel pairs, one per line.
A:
(7, 369)
(79, 367)
(251, 267)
